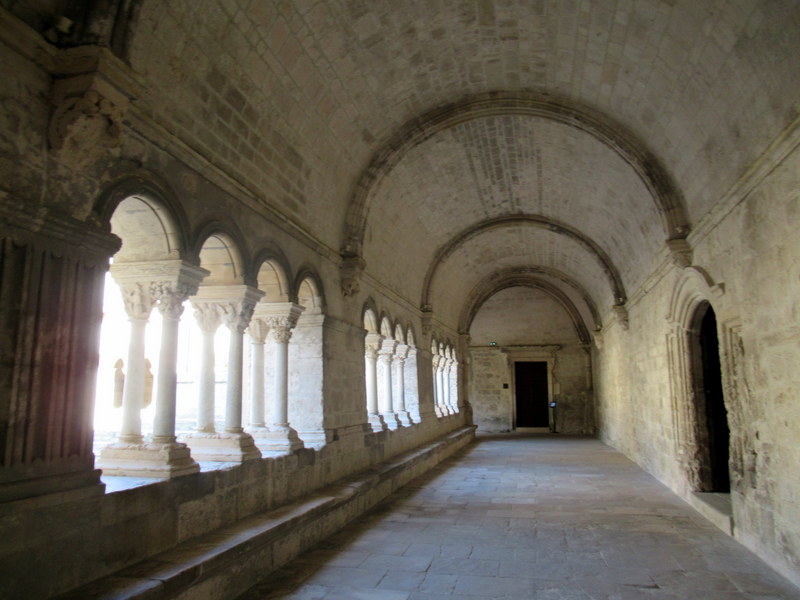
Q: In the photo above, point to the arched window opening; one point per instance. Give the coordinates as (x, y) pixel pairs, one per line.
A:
(139, 346)
(223, 307)
(411, 380)
(306, 377)
(271, 330)
(713, 433)
(399, 378)
(385, 368)
(372, 345)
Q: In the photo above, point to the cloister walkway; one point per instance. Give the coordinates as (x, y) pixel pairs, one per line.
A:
(527, 517)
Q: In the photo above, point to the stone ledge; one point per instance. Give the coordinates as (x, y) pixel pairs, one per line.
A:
(227, 562)
(714, 507)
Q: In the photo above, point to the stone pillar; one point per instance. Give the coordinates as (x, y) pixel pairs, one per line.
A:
(453, 382)
(401, 352)
(447, 384)
(235, 304)
(50, 314)
(436, 361)
(139, 304)
(208, 319)
(371, 348)
(258, 332)
(166, 284)
(385, 397)
(280, 317)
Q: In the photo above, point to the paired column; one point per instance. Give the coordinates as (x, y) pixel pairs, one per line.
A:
(209, 318)
(400, 355)
(166, 285)
(436, 361)
(372, 346)
(258, 334)
(280, 319)
(385, 395)
(234, 305)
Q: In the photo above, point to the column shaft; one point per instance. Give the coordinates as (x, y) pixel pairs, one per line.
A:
(233, 406)
(205, 409)
(372, 383)
(257, 383)
(281, 400)
(164, 424)
(133, 394)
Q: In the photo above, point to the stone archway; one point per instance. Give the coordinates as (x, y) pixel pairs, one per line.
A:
(712, 432)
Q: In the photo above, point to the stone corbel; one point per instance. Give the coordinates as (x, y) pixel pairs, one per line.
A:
(622, 316)
(680, 253)
(351, 270)
(91, 93)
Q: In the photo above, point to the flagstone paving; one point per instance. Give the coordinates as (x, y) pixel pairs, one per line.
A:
(529, 517)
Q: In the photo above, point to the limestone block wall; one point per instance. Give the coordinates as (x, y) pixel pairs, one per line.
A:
(746, 264)
(528, 324)
(492, 405)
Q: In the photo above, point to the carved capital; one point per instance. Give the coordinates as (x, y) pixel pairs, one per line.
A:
(207, 315)
(236, 315)
(138, 299)
(258, 330)
(170, 298)
(280, 328)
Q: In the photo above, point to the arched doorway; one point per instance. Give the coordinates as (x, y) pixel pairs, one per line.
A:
(713, 433)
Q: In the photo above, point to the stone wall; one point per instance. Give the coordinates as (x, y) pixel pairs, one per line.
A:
(527, 324)
(747, 266)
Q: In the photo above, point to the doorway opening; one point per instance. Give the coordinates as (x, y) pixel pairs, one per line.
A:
(713, 430)
(532, 396)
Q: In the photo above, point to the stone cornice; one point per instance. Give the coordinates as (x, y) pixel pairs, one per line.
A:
(59, 233)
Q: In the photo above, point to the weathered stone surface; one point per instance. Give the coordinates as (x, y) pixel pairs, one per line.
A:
(411, 160)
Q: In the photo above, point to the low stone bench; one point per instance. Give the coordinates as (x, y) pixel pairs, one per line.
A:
(230, 560)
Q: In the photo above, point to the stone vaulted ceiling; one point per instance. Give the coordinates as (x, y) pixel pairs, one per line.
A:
(448, 141)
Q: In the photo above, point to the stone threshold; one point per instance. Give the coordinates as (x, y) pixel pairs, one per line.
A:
(714, 507)
(227, 562)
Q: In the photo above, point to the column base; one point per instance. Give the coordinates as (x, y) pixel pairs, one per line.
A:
(278, 438)
(222, 447)
(404, 418)
(391, 420)
(376, 422)
(315, 438)
(161, 460)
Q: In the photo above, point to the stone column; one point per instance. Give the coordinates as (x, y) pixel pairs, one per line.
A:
(437, 387)
(235, 304)
(371, 348)
(257, 330)
(453, 382)
(446, 384)
(165, 284)
(280, 317)
(139, 302)
(401, 352)
(208, 319)
(385, 398)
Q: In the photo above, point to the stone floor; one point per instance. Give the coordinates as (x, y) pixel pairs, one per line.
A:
(524, 517)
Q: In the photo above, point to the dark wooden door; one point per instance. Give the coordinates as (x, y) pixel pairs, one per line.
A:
(531, 394)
